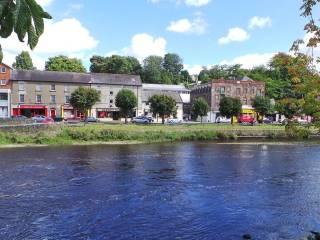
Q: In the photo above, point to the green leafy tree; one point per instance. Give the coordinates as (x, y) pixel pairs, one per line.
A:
(162, 105)
(83, 99)
(23, 62)
(64, 64)
(115, 64)
(262, 105)
(185, 77)
(152, 69)
(230, 107)
(25, 18)
(200, 108)
(289, 107)
(126, 101)
(173, 63)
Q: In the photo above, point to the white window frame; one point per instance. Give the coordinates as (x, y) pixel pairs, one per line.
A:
(37, 98)
(65, 99)
(23, 86)
(53, 97)
(3, 69)
(52, 87)
(38, 88)
(3, 82)
(24, 98)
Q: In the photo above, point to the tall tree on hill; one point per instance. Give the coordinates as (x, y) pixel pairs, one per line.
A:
(115, 64)
(25, 18)
(23, 62)
(64, 64)
(152, 69)
(173, 63)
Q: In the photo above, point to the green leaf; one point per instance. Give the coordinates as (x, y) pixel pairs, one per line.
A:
(32, 37)
(22, 17)
(1, 54)
(7, 26)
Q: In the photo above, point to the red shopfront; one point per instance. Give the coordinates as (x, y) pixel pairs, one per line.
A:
(31, 110)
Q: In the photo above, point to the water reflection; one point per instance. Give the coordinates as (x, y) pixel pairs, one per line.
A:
(164, 191)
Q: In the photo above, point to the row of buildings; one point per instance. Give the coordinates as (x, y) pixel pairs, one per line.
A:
(48, 93)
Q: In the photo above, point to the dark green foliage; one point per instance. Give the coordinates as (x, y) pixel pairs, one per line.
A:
(23, 62)
(262, 105)
(289, 107)
(200, 108)
(25, 18)
(173, 63)
(115, 64)
(230, 107)
(82, 99)
(126, 101)
(64, 64)
(162, 105)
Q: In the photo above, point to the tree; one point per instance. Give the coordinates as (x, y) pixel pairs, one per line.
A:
(173, 63)
(185, 77)
(23, 62)
(200, 108)
(162, 105)
(64, 64)
(262, 105)
(152, 69)
(24, 17)
(230, 107)
(83, 99)
(115, 64)
(126, 101)
(289, 107)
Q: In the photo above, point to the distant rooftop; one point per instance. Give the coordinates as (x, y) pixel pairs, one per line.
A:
(149, 93)
(164, 87)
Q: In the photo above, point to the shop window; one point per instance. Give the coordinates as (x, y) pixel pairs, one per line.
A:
(21, 98)
(53, 98)
(38, 99)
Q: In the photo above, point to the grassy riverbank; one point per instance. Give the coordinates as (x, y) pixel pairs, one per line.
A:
(106, 133)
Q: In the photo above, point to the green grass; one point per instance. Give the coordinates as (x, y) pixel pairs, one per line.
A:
(103, 133)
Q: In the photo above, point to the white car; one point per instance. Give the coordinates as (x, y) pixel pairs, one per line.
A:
(223, 120)
(174, 121)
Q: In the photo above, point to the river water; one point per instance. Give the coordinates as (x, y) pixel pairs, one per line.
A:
(160, 191)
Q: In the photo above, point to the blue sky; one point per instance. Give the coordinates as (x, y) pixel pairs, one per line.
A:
(195, 29)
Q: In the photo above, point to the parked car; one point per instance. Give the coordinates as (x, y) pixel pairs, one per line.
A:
(91, 120)
(48, 120)
(246, 118)
(150, 118)
(73, 120)
(19, 118)
(267, 120)
(223, 120)
(174, 121)
(38, 118)
(140, 120)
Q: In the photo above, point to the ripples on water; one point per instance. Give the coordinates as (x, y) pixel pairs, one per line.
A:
(167, 191)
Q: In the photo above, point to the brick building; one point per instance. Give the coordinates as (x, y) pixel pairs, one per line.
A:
(245, 89)
(5, 91)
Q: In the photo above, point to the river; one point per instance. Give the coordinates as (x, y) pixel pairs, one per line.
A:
(160, 191)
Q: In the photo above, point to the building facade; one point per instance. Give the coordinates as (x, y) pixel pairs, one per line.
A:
(245, 89)
(5, 91)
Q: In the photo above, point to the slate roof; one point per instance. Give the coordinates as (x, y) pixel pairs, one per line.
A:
(47, 76)
(146, 94)
(116, 79)
(165, 87)
(83, 78)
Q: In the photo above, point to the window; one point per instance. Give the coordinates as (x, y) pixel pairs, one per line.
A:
(252, 91)
(53, 98)
(111, 101)
(222, 90)
(238, 91)
(3, 69)
(38, 99)
(111, 93)
(245, 91)
(38, 88)
(21, 98)
(21, 86)
(66, 89)
(259, 92)
(3, 96)
(3, 82)
(52, 87)
(67, 99)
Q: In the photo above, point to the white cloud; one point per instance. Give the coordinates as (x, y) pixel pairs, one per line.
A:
(189, 3)
(194, 70)
(144, 45)
(67, 37)
(44, 3)
(234, 35)
(197, 3)
(260, 22)
(250, 60)
(196, 26)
